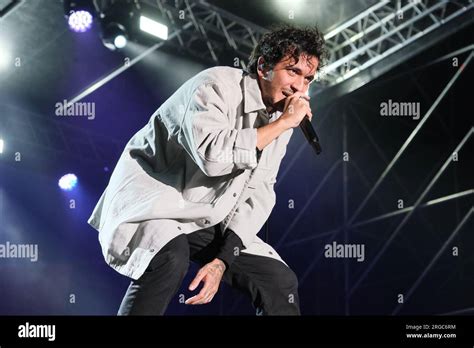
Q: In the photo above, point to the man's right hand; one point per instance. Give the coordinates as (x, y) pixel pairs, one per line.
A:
(296, 108)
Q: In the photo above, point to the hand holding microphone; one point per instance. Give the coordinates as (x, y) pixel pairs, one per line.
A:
(297, 112)
(296, 108)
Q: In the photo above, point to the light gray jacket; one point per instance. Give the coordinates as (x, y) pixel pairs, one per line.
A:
(194, 165)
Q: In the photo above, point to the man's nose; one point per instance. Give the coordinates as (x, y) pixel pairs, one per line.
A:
(298, 84)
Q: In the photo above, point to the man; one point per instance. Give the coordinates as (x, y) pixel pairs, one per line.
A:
(196, 183)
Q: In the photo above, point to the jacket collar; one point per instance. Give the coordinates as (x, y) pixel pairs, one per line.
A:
(252, 94)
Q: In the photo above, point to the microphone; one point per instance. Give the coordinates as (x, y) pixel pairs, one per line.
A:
(307, 128)
(310, 135)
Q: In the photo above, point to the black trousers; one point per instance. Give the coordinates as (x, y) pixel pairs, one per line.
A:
(270, 284)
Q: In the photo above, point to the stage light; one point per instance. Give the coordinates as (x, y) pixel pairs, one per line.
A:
(80, 14)
(80, 21)
(5, 60)
(67, 182)
(1, 145)
(114, 36)
(5, 57)
(120, 41)
(153, 27)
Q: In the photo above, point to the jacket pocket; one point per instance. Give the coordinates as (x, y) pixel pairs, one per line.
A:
(258, 176)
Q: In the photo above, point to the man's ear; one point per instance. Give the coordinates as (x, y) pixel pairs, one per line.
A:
(261, 66)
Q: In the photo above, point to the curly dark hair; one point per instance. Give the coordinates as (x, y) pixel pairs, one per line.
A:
(286, 40)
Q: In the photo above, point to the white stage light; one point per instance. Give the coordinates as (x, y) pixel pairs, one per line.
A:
(153, 27)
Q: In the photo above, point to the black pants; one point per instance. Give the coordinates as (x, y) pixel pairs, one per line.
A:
(271, 285)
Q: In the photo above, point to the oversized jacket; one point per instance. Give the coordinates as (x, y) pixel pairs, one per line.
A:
(194, 165)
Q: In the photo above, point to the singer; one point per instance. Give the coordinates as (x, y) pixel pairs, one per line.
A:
(196, 183)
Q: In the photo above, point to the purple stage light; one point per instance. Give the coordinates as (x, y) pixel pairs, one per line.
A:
(80, 21)
(67, 182)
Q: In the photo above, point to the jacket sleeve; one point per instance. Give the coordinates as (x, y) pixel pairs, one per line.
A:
(254, 211)
(209, 138)
(227, 251)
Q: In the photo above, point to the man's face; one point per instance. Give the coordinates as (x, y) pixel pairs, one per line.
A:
(286, 78)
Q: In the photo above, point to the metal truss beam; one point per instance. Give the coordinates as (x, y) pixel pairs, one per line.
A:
(375, 36)
(384, 36)
(387, 215)
(416, 205)
(409, 209)
(433, 261)
(8, 8)
(212, 29)
(333, 233)
(394, 160)
(389, 167)
(411, 137)
(463, 311)
(354, 46)
(383, 29)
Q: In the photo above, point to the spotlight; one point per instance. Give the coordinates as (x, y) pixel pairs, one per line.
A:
(117, 21)
(80, 21)
(153, 27)
(80, 14)
(120, 41)
(114, 36)
(5, 58)
(67, 182)
(1, 145)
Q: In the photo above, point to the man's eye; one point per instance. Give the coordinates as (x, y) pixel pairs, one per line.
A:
(291, 72)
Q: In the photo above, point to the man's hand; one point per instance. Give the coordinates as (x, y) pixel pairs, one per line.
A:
(296, 108)
(211, 274)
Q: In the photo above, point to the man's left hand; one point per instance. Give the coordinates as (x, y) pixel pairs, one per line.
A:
(211, 274)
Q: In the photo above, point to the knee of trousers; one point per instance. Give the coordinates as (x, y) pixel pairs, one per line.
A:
(174, 256)
(285, 280)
